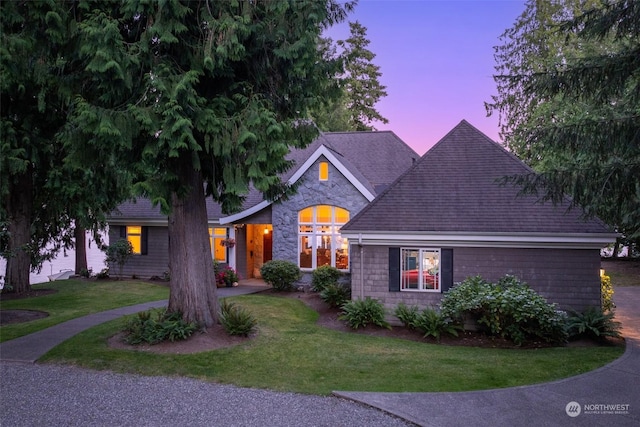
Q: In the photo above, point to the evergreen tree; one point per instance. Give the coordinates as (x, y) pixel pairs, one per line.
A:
(568, 103)
(45, 190)
(354, 109)
(225, 89)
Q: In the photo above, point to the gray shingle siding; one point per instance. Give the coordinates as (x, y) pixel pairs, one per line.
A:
(154, 263)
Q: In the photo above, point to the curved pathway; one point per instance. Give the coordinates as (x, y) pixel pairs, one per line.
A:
(49, 395)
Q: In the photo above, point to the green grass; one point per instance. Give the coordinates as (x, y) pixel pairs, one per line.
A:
(290, 352)
(75, 298)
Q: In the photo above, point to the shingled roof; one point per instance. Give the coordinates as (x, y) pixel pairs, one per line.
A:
(374, 159)
(453, 188)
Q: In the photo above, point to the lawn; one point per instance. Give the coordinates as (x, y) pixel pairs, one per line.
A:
(75, 298)
(290, 352)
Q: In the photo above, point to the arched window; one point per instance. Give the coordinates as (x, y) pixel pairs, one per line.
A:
(319, 239)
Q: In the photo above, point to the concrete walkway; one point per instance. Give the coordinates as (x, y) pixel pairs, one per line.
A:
(30, 348)
(605, 397)
(539, 405)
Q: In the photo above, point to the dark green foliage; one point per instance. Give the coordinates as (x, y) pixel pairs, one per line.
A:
(433, 324)
(282, 275)
(428, 321)
(593, 323)
(104, 274)
(408, 315)
(119, 253)
(323, 276)
(361, 312)
(508, 308)
(335, 294)
(236, 320)
(568, 99)
(154, 326)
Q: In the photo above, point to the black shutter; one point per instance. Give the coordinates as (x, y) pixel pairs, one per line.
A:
(394, 269)
(144, 237)
(123, 231)
(446, 269)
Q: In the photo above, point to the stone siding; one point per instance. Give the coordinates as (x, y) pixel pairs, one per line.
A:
(336, 191)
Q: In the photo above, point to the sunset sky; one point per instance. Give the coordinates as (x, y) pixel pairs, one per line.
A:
(436, 60)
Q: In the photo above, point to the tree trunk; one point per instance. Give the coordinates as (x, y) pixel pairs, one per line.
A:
(19, 211)
(81, 248)
(192, 287)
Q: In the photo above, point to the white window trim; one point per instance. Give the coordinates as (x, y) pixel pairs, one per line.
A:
(212, 239)
(421, 285)
(313, 236)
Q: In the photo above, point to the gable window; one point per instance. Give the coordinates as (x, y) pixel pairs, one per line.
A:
(319, 239)
(420, 270)
(137, 236)
(217, 237)
(324, 171)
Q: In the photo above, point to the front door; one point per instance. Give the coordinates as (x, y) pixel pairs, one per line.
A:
(267, 245)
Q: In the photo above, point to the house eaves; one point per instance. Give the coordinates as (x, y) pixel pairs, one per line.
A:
(482, 240)
(332, 157)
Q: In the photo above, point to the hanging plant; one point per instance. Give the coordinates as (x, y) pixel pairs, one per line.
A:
(228, 242)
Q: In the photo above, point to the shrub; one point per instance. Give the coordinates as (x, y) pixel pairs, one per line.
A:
(236, 320)
(323, 276)
(361, 312)
(86, 273)
(104, 274)
(593, 323)
(154, 326)
(432, 323)
(606, 290)
(335, 294)
(508, 308)
(226, 276)
(407, 315)
(282, 275)
(119, 253)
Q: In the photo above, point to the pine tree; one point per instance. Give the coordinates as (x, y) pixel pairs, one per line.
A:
(568, 104)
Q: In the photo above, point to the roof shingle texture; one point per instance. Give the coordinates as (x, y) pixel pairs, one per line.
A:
(453, 188)
(376, 159)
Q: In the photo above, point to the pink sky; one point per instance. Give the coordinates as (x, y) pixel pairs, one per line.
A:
(436, 60)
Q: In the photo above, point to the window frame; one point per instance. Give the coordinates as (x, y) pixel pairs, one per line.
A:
(215, 241)
(421, 274)
(314, 230)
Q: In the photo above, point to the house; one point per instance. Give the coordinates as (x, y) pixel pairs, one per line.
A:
(447, 218)
(337, 175)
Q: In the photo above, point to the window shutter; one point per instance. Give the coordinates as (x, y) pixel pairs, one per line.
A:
(446, 269)
(394, 269)
(144, 236)
(123, 231)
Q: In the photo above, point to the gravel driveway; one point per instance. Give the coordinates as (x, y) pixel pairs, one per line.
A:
(50, 395)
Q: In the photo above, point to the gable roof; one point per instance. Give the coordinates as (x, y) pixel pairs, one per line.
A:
(453, 189)
(369, 160)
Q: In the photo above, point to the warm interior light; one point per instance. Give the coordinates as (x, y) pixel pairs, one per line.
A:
(602, 272)
(266, 231)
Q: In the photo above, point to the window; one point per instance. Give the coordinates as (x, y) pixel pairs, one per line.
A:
(134, 236)
(420, 270)
(324, 171)
(319, 239)
(217, 237)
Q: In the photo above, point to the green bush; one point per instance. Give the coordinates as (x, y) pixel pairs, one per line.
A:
(335, 294)
(606, 290)
(236, 320)
(282, 275)
(154, 326)
(407, 315)
(508, 308)
(119, 253)
(361, 312)
(432, 323)
(593, 323)
(323, 276)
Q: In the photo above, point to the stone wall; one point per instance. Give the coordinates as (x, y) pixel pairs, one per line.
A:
(336, 191)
